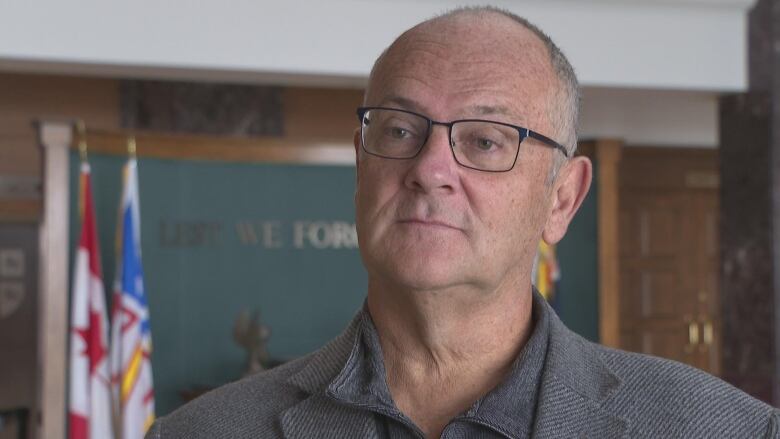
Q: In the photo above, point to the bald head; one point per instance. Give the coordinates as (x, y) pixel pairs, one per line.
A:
(469, 33)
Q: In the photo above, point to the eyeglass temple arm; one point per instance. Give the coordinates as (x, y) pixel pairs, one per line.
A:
(550, 142)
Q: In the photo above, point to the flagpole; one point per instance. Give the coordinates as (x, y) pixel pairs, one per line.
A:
(81, 130)
(131, 146)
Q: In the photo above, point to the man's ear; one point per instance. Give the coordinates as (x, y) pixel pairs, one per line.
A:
(569, 190)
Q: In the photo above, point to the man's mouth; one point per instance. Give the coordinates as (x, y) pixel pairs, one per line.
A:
(427, 223)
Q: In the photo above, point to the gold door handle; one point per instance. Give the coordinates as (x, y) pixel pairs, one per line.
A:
(693, 333)
(707, 332)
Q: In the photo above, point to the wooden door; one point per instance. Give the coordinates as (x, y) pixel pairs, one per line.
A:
(669, 299)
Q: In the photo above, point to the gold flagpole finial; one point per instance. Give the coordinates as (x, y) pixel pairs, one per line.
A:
(81, 130)
(131, 146)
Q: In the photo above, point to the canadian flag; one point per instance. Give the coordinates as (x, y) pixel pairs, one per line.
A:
(90, 398)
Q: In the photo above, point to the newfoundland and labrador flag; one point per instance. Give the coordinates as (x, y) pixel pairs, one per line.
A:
(89, 401)
(131, 336)
(547, 273)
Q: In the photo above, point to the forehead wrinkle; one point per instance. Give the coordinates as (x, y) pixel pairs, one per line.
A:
(525, 64)
(387, 90)
(408, 45)
(527, 67)
(407, 63)
(483, 110)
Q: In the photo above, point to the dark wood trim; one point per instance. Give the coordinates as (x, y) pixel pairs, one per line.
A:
(681, 168)
(21, 211)
(587, 148)
(665, 152)
(607, 154)
(181, 147)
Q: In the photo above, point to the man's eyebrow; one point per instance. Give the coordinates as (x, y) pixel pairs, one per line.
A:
(471, 111)
(482, 110)
(404, 103)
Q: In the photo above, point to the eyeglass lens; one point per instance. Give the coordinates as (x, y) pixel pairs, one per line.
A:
(475, 144)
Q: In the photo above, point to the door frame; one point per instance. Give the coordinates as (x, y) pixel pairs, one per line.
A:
(606, 153)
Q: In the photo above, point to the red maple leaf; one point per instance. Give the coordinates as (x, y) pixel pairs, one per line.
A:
(93, 344)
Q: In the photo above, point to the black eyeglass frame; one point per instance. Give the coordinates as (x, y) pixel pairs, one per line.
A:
(522, 131)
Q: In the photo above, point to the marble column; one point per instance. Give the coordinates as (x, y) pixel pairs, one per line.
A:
(750, 215)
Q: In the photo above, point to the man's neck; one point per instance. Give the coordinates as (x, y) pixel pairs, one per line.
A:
(443, 350)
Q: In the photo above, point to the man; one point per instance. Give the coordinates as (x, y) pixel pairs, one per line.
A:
(464, 162)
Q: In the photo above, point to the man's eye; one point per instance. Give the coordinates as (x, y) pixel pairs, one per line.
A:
(485, 144)
(398, 133)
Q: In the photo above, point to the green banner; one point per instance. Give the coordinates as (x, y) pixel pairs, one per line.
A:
(219, 238)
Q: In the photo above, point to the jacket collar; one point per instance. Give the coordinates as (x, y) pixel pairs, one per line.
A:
(319, 415)
(575, 386)
(327, 362)
(511, 406)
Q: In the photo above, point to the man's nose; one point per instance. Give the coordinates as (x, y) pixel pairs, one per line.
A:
(434, 168)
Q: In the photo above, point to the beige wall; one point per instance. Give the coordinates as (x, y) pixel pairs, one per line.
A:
(318, 114)
(26, 98)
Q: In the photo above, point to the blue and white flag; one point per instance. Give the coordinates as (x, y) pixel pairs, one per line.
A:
(131, 334)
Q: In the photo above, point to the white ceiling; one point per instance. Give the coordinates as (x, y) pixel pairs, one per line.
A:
(655, 44)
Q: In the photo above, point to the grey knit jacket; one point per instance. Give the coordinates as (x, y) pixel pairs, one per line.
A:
(587, 391)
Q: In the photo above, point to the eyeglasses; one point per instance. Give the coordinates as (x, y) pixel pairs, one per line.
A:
(483, 145)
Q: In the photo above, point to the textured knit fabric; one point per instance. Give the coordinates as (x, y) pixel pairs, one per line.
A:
(586, 391)
(505, 412)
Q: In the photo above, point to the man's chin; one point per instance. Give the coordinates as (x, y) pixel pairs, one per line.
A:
(435, 264)
(424, 277)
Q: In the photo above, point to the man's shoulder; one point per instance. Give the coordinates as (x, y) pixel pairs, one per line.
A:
(690, 401)
(251, 407)
(663, 379)
(245, 408)
(646, 395)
